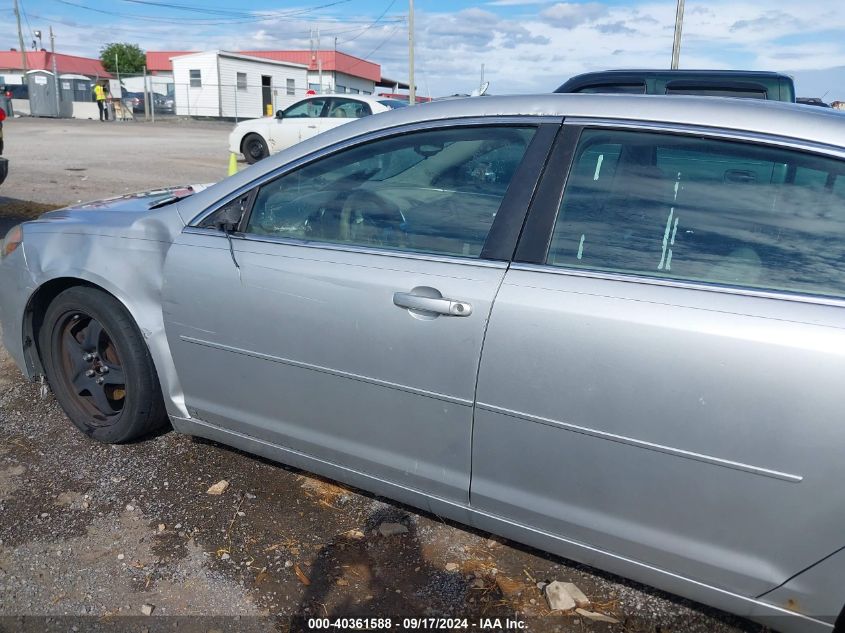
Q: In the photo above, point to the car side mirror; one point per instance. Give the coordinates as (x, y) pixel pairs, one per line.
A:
(280, 114)
(229, 218)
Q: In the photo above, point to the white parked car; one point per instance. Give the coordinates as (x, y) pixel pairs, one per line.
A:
(258, 138)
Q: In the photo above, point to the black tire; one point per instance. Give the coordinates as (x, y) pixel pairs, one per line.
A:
(99, 366)
(254, 148)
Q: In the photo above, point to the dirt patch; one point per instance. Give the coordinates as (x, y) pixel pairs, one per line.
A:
(21, 210)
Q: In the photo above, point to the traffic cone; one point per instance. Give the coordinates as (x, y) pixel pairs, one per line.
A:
(233, 164)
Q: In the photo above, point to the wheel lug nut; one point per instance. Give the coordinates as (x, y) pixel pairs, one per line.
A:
(99, 381)
(90, 373)
(103, 369)
(88, 357)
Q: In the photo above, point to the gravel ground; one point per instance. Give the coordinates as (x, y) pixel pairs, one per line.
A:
(90, 533)
(92, 536)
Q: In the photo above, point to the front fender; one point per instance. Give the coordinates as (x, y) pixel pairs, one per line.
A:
(131, 272)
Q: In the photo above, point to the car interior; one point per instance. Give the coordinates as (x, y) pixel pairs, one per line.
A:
(436, 193)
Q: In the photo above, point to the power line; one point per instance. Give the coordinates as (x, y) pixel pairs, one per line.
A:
(26, 18)
(227, 12)
(194, 22)
(383, 42)
(372, 24)
(152, 34)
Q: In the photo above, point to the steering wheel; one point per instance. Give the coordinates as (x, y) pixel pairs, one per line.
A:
(369, 218)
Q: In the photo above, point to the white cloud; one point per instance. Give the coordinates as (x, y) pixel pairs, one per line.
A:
(534, 53)
(568, 15)
(517, 3)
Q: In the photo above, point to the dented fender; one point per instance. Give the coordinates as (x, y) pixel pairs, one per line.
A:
(121, 252)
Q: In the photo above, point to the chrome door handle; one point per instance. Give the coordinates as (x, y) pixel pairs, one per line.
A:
(430, 304)
(313, 127)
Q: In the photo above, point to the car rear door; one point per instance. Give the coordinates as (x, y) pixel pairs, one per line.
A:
(661, 377)
(350, 328)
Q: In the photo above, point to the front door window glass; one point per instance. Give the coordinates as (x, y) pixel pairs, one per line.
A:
(432, 192)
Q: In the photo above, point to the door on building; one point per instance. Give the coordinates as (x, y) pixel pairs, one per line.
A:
(266, 94)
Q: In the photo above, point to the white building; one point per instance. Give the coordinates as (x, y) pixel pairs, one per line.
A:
(231, 85)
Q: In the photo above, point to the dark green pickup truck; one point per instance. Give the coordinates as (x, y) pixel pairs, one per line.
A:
(715, 83)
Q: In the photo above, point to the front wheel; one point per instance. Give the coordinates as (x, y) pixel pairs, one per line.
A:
(254, 148)
(99, 367)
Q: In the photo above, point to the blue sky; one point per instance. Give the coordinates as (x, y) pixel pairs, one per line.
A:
(525, 45)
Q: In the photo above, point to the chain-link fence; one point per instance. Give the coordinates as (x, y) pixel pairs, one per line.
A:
(241, 100)
(135, 96)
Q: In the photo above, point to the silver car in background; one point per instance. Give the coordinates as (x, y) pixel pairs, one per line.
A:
(611, 327)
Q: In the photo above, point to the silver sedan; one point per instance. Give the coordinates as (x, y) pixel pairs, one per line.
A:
(606, 326)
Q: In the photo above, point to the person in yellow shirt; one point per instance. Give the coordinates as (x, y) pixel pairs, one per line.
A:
(100, 97)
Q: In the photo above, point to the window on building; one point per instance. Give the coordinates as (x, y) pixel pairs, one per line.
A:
(314, 87)
(367, 92)
(291, 87)
(354, 91)
(340, 89)
(196, 78)
(241, 77)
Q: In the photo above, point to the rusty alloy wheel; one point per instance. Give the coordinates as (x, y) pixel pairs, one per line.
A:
(99, 367)
(91, 369)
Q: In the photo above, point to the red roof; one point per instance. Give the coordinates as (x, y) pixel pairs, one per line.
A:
(42, 60)
(158, 61)
(332, 60)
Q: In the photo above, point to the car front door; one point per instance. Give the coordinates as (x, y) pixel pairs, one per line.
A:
(300, 121)
(351, 327)
(661, 377)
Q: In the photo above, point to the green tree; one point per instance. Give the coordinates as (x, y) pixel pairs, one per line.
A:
(130, 58)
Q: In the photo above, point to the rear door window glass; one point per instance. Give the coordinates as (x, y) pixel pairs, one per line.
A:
(348, 109)
(704, 210)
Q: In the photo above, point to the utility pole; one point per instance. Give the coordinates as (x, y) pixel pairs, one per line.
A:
(412, 90)
(117, 72)
(55, 71)
(679, 25)
(147, 96)
(319, 62)
(20, 39)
